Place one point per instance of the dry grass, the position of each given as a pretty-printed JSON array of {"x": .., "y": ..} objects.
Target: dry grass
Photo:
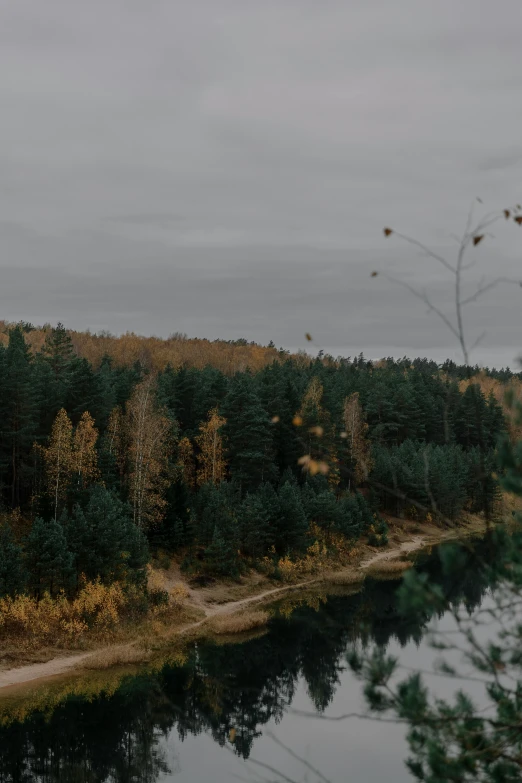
[
  {"x": 344, "y": 577},
  {"x": 389, "y": 569},
  {"x": 117, "y": 656},
  {"x": 239, "y": 623}
]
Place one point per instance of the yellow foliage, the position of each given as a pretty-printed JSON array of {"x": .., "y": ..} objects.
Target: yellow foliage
[
  {"x": 148, "y": 432},
  {"x": 60, "y": 621},
  {"x": 211, "y": 458},
  {"x": 84, "y": 455},
  {"x": 326, "y": 548}
]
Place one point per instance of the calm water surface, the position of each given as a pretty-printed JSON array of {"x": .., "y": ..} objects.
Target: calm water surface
[{"x": 209, "y": 718}]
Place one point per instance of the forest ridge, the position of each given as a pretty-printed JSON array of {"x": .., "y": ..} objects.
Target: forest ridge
[{"x": 226, "y": 455}]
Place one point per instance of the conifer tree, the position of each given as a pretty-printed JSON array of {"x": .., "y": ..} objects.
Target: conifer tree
[
  {"x": 13, "y": 576},
  {"x": 248, "y": 436},
  {"x": 254, "y": 524},
  {"x": 18, "y": 415},
  {"x": 47, "y": 556},
  {"x": 54, "y": 363},
  {"x": 103, "y": 541},
  {"x": 211, "y": 460},
  {"x": 291, "y": 524}
]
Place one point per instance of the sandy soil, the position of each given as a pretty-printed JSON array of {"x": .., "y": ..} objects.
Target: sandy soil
[{"x": 203, "y": 600}]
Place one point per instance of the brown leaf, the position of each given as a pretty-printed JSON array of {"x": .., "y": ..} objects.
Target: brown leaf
[
  {"x": 374, "y": 274},
  {"x": 507, "y": 213},
  {"x": 297, "y": 421},
  {"x": 308, "y": 337},
  {"x": 518, "y": 220},
  {"x": 387, "y": 231},
  {"x": 478, "y": 239}
]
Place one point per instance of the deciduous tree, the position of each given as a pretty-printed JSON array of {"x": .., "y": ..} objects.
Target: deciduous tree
[
  {"x": 148, "y": 430},
  {"x": 356, "y": 430},
  {"x": 84, "y": 455},
  {"x": 211, "y": 459}
]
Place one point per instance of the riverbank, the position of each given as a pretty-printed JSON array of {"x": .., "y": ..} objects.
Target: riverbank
[{"x": 233, "y": 607}]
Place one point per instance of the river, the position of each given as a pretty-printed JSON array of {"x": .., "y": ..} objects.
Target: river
[{"x": 215, "y": 712}]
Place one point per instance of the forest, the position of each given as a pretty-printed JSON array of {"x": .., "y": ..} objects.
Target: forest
[{"x": 107, "y": 458}]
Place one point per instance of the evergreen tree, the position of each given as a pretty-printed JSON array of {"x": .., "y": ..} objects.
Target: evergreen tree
[
  {"x": 13, "y": 576},
  {"x": 55, "y": 364},
  {"x": 254, "y": 524},
  {"x": 47, "y": 557},
  {"x": 18, "y": 416},
  {"x": 248, "y": 436},
  {"x": 291, "y": 524},
  {"x": 104, "y": 541}
]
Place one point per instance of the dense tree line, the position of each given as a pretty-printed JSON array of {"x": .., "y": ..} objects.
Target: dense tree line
[{"x": 100, "y": 462}]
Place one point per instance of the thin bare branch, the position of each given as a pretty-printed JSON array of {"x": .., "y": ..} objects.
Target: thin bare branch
[
  {"x": 425, "y": 249},
  {"x": 482, "y": 289},
  {"x": 424, "y": 298},
  {"x": 297, "y": 757}
]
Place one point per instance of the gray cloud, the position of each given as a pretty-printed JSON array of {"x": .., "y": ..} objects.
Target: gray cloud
[{"x": 226, "y": 168}]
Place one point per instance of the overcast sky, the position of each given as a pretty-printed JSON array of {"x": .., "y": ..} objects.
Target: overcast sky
[{"x": 225, "y": 167}]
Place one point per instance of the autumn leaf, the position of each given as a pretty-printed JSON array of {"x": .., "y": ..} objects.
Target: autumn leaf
[
  {"x": 477, "y": 239},
  {"x": 232, "y": 735},
  {"x": 297, "y": 421},
  {"x": 387, "y": 231},
  {"x": 518, "y": 220},
  {"x": 308, "y": 337},
  {"x": 507, "y": 213}
]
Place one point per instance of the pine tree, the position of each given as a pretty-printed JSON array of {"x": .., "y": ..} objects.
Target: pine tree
[
  {"x": 221, "y": 555},
  {"x": 55, "y": 362},
  {"x": 18, "y": 416},
  {"x": 103, "y": 539},
  {"x": 254, "y": 525},
  {"x": 47, "y": 557},
  {"x": 83, "y": 390},
  {"x": 13, "y": 576},
  {"x": 248, "y": 436},
  {"x": 291, "y": 524},
  {"x": 211, "y": 461}
]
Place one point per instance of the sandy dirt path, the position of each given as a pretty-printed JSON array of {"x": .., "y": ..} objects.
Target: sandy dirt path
[{"x": 64, "y": 664}]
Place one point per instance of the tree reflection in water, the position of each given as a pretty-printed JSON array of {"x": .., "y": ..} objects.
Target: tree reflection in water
[{"x": 229, "y": 691}]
